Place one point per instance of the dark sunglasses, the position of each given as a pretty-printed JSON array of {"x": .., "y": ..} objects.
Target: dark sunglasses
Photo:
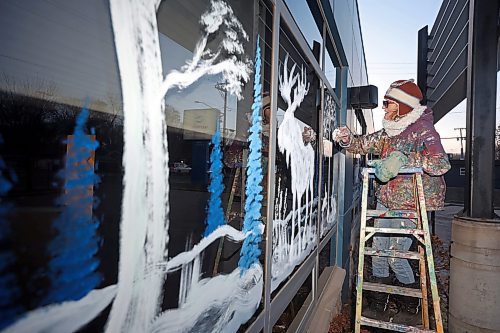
[{"x": 386, "y": 102}]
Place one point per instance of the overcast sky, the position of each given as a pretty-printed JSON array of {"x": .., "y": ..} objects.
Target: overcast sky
[{"x": 389, "y": 30}]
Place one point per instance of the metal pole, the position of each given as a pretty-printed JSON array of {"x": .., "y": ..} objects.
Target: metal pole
[
  {"x": 224, "y": 129},
  {"x": 462, "y": 138},
  {"x": 268, "y": 327},
  {"x": 221, "y": 87},
  {"x": 481, "y": 102},
  {"x": 423, "y": 39}
]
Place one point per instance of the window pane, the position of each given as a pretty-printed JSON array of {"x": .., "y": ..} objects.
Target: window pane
[
  {"x": 294, "y": 226},
  {"x": 329, "y": 185},
  {"x": 61, "y": 147},
  {"x": 305, "y": 21},
  {"x": 210, "y": 149}
]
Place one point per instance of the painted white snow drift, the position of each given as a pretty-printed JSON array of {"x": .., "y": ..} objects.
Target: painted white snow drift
[
  {"x": 218, "y": 304},
  {"x": 282, "y": 262},
  {"x": 67, "y": 316}
]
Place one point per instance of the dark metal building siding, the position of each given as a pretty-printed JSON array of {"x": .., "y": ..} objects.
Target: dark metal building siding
[{"x": 444, "y": 74}]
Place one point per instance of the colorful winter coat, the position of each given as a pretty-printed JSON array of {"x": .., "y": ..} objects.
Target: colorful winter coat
[{"x": 415, "y": 136}]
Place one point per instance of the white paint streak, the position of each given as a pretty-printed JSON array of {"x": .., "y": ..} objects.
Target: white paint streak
[
  {"x": 329, "y": 211},
  {"x": 65, "y": 317},
  {"x": 185, "y": 257},
  {"x": 144, "y": 225},
  {"x": 218, "y": 304}
]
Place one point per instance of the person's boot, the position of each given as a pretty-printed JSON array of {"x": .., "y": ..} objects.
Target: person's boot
[
  {"x": 409, "y": 304},
  {"x": 378, "y": 301}
]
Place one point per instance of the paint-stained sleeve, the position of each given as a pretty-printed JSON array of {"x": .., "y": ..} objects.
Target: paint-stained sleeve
[
  {"x": 366, "y": 144},
  {"x": 433, "y": 159}
]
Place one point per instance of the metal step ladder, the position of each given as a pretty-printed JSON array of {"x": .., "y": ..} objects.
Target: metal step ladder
[{"x": 424, "y": 255}]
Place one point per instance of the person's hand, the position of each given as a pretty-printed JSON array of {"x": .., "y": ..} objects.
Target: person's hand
[
  {"x": 308, "y": 135},
  {"x": 388, "y": 168},
  {"x": 342, "y": 135}
]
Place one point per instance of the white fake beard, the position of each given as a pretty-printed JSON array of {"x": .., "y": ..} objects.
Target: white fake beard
[{"x": 395, "y": 127}]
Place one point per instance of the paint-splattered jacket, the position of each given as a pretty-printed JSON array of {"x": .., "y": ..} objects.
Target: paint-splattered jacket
[{"x": 422, "y": 144}]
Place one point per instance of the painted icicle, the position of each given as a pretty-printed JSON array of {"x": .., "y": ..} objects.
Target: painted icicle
[
  {"x": 73, "y": 264},
  {"x": 290, "y": 251},
  {"x": 215, "y": 213},
  {"x": 252, "y": 224},
  {"x": 145, "y": 223}
]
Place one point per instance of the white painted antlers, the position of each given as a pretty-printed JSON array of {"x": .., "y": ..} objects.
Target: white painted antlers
[{"x": 286, "y": 83}]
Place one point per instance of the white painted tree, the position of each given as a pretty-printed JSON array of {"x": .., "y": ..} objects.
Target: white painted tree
[
  {"x": 144, "y": 223},
  {"x": 299, "y": 156}
]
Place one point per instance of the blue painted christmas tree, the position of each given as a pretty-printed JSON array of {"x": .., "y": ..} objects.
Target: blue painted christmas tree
[
  {"x": 9, "y": 292},
  {"x": 215, "y": 216},
  {"x": 73, "y": 250},
  {"x": 250, "y": 250}
]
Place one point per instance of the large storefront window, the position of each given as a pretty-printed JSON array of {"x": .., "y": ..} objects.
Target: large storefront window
[{"x": 133, "y": 165}]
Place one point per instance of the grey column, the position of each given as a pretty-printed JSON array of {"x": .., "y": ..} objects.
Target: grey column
[
  {"x": 268, "y": 326},
  {"x": 340, "y": 159},
  {"x": 481, "y": 98},
  {"x": 474, "y": 291},
  {"x": 423, "y": 40}
]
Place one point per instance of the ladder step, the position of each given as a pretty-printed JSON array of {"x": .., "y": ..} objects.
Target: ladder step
[
  {"x": 392, "y": 326},
  {"x": 392, "y": 253},
  {"x": 382, "y": 213},
  {"x": 385, "y": 288},
  {"x": 395, "y": 231}
]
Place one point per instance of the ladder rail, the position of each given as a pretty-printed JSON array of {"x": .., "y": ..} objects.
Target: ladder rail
[
  {"x": 422, "y": 269},
  {"x": 361, "y": 254},
  {"x": 430, "y": 257}
]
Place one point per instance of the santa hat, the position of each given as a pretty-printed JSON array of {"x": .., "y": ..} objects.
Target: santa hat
[{"x": 406, "y": 93}]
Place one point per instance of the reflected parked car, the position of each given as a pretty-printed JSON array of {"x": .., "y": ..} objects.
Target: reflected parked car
[{"x": 180, "y": 167}]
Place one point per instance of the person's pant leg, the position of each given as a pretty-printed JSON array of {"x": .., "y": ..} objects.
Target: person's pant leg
[
  {"x": 401, "y": 267},
  {"x": 380, "y": 265}
]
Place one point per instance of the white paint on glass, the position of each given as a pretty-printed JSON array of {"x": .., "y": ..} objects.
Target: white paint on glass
[
  {"x": 329, "y": 201},
  {"x": 294, "y": 235},
  {"x": 218, "y": 304},
  {"x": 145, "y": 223},
  {"x": 65, "y": 317},
  {"x": 183, "y": 258},
  {"x": 283, "y": 262}
]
